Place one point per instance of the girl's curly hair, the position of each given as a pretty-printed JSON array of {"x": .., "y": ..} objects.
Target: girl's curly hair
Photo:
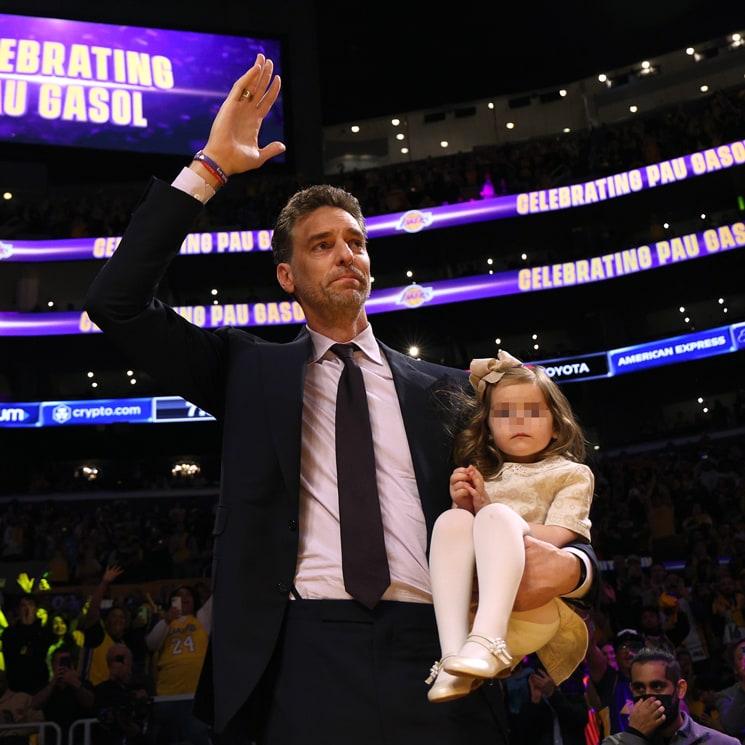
[{"x": 473, "y": 444}]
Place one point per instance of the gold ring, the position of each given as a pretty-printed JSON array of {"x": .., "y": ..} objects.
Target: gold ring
[{"x": 245, "y": 93}]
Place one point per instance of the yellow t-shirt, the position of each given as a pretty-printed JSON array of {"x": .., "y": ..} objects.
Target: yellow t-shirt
[
  {"x": 179, "y": 660},
  {"x": 93, "y": 664}
]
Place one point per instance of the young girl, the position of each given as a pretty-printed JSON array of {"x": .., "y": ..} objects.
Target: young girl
[{"x": 519, "y": 460}]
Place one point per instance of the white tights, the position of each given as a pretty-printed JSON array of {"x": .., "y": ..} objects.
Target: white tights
[{"x": 491, "y": 544}]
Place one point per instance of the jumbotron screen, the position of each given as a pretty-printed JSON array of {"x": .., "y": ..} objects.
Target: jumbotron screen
[{"x": 120, "y": 87}]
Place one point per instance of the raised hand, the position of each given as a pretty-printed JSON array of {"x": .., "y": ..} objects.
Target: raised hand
[
  {"x": 234, "y": 137},
  {"x": 112, "y": 573}
]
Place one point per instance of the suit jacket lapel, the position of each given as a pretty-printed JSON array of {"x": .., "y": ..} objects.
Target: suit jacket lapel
[
  {"x": 283, "y": 372},
  {"x": 428, "y": 443}
]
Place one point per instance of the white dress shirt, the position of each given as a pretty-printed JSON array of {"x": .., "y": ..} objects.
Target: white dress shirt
[{"x": 319, "y": 573}]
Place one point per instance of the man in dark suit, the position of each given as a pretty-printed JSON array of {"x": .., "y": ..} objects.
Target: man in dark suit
[{"x": 293, "y": 658}]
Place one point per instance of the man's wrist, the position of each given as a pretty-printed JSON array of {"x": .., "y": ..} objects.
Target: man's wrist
[
  {"x": 585, "y": 574},
  {"x": 193, "y": 183}
]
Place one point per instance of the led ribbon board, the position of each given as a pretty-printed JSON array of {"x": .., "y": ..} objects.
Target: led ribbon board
[
  {"x": 160, "y": 409},
  {"x": 521, "y": 281},
  {"x": 415, "y": 221}
]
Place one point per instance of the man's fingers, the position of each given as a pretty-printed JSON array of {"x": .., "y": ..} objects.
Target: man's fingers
[{"x": 248, "y": 80}]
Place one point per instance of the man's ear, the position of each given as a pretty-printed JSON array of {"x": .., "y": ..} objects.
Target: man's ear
[
  {"x": 285, "y": 278},
  {"x": 682, "y": 688}
]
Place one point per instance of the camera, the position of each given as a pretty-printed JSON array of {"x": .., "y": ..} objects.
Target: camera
[{"x": 122, "y": 717}]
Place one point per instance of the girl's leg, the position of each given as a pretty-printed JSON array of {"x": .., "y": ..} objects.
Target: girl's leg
[
  {"x": 451, "y": 564},
  {"x": 499, "y": 552}
]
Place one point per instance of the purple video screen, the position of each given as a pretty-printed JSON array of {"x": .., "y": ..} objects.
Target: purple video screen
[{"x": 118, "y": 87}]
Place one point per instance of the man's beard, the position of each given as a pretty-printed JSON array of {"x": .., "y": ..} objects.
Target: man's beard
[
  {"x": 350, "y": 301},
  {"x": 347, "y": 300}
]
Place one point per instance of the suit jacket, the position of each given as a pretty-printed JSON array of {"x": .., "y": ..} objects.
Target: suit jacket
[{"x": 255, "y": 389}]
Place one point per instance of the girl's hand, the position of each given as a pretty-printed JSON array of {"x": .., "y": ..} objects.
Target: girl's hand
[
  {"x": 460, "y": 489},
  {"x": 467, "y": 489},
  {"x": 479, "y": 496}
]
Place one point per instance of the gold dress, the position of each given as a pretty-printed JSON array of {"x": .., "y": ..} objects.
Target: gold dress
[{"x": 554, "y": 491}]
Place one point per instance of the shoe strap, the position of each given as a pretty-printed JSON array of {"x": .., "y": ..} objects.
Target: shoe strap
[
  {"x": 497, "y": 647},
  {"x": 435, "y": 669}
]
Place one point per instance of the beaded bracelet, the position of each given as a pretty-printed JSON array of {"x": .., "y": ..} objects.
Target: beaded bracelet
[{"x": 212, "y": 167}]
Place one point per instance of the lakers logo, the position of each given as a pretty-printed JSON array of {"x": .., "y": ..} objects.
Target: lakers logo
[
  {"x": 415, "y": 295},
  {"x": 413, "y": 221}
]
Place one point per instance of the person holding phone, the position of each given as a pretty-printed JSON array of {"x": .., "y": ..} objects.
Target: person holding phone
[
  {"x": 178, "y": 642},
  {"x": 64, "y": 632},
  {"x": 66, "y": 697}
]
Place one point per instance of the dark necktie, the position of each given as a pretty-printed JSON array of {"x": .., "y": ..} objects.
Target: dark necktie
[{"x": 364, "y": 561}]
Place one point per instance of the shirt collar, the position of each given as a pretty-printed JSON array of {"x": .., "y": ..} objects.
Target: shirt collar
[
  {"x": 685, "y": 729},
  {"x": 365, "y": 340}
]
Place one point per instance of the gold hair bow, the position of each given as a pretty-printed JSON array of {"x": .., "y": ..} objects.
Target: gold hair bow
[{"x": 491, "y": 370}]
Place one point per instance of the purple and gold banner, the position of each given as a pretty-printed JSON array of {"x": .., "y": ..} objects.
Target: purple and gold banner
[
  {"x": 519, "y": 281},
  {"x": 415, "y": 221}
]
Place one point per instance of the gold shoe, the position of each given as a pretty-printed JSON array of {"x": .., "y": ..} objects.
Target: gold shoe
[
  {"x": 447, "y": 687},
  {"x": 498, "y": 660}
]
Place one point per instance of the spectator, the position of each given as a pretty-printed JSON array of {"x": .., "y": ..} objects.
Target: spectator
[
  {"x": 63, "y": 633},
  {"x": 16, "y": 708},
  {"x": 613, "y": 686},
  {"x": 15, "y": 534},
  {"x": 182, "y": 545},
  {"x": 701, "y": 699},
  {"x": 551, "y": 709},
  {"x": 656, "y": 716},
  {"x": 665, "y": 541},
  {"x": 685, "y": 660},
  {"x": 630, "y": 591},
  {"x": 66, "y": 697},
  {"x": 656, "y": 583},
  {"x": 101, "y": 634},
  {"x": 675, "y": 601},
  {"x": 609, "y": 651},
  {"x": 728, "y": 608},
  {"x": 730, "y": 702},
  {"x": 179, "y": 644},
  {"x": 650, "y": 625},
  {"x": 25, "y": 644},
  {"x": 697, "y": 519},
  {"x": 140, "y": 608},
  {"x": 88, "y": 568},
  {"x": 122, "y": 703}
]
